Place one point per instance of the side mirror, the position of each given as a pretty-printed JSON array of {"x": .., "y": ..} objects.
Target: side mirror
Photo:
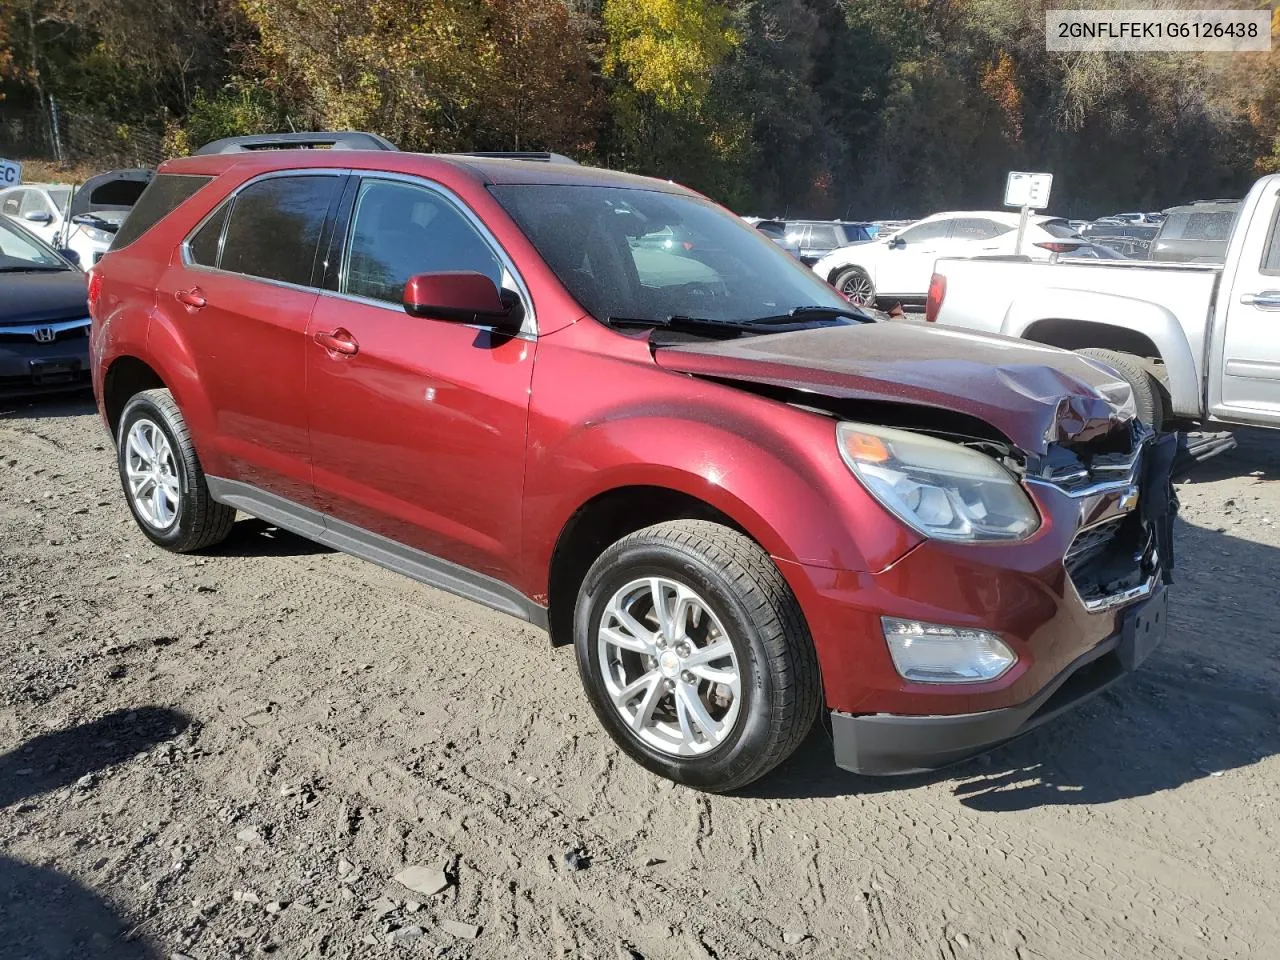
[
  {"x": 896, "y": 243},
  {"x": 71, "y": 255},
  {"x": 38, "y": 216},
  {"x": 462, "y": 297}
]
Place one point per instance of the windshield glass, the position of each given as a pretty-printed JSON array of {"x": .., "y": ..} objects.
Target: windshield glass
[
  {"x": 19, "y": 250},
  {"x": 60, "y": 196},
  {"x": 649, "y": 256}
]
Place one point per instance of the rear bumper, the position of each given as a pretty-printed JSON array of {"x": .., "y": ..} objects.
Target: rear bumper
[
  {"x": 38, "y": 368},
  {"x": 885, "y": 744}
]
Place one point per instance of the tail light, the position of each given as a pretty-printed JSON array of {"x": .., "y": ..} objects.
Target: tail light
[
  {"x": 1060, "y": 246},
  {"x": 933, "y": 303},
  {"x": 95, "y": 289}
]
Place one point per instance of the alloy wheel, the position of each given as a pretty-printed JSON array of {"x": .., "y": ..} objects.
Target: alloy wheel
[
  {"x": 152, "y": 473},
  {"x": 669, "y": 667}
]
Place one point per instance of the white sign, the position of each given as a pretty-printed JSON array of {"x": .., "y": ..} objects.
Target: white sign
[
  {"x": 10, "y": 173},
  {"x": 1028, "y": 190}
]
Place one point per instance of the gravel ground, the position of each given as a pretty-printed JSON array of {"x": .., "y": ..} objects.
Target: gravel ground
[{"x": 237, "y": 754}]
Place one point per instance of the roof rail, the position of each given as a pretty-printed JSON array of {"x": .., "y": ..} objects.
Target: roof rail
[
  {"x": 536, "y": 156},
  {"x": 343, "y": 140}
]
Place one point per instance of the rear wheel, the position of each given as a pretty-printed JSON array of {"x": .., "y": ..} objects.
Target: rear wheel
[
  {"x": 162, "y": 478},
  {"x": 695, "y": 655},
  {"x": 1148, "y": 391},
  {"x": 855, "y": 283}
]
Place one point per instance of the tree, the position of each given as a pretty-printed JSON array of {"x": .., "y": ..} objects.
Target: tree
[{"x": 540, "y": 89}]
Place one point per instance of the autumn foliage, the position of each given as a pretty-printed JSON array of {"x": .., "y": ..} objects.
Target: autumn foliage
[{"x": 802, "y": 107}]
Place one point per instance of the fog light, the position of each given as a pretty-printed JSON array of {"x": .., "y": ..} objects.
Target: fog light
[{"x": 932, "y": 653}]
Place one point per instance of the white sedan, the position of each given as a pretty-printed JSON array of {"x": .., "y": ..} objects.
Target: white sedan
[
  {"x": 897, "y": 268},
  {"x": 42, "y": 209}
]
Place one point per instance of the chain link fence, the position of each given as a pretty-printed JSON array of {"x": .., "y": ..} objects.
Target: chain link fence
[{"x": 74, "y": 136}]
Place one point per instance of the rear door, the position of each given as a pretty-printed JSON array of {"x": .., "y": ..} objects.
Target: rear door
[
  {"x": 1248, "y": 360},
  {"x": 418, "y": 430},
  {"x": 241, "y": 292}
]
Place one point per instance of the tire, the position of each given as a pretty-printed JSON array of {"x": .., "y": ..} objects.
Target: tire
[
  {"x": 187, "y": 517},
  {"x": 852, "y": 279},
  {"x": 746, "y": 602},
  {"x": 1148, "y": 392}
]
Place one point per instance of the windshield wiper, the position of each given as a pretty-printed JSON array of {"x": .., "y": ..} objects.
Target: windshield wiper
[
  {"x": 816, "y": 311},
  {"x": 728, "y": 329}
]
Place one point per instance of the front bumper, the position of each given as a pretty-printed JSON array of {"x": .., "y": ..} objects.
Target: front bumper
[
  {"x": 37, "y": 368},
  {"x": 885, "y": 744}
]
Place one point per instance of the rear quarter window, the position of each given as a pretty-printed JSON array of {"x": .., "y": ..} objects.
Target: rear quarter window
[{"x": 163, "y": 195}]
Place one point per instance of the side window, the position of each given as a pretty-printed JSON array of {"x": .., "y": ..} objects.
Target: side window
[
  {"x": 34, "y": 202},
  {"x": 936, "y": 230},
  {"x": 12, "y": 203},
  {"x": 1271, "y": 255},
  {"x": 823, "y": 236},
  {"x": 275, "y": 225},
  {"x": 974, "y": 228},
  {"x": 400, "y": 229},
  {"x": 206, "y": 245},
  {"x": 161, "y": 197}
]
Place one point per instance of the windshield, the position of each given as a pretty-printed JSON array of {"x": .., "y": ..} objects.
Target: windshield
[
  {"x": 60, "y": 196},
  {"x": 19, "y": 250},
  {"x": 648, "y": 256}
]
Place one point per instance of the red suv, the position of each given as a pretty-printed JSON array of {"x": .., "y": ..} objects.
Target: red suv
[{"x": 739, "y": 499}]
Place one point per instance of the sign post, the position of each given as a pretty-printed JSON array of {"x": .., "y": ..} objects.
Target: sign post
[
  {"x": 10, "y": 173},
  {"x": 1030, "y": 191}
]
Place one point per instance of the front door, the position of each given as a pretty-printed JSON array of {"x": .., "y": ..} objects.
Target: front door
[
  {"x": 1246, "y": 352},
  {"x": 241, "y": 293},
  {"x": 418, "y": 429},
  {"x": 907, "y": 266}
]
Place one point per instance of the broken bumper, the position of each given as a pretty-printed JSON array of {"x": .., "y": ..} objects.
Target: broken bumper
[{"x": 885, "y": 744}]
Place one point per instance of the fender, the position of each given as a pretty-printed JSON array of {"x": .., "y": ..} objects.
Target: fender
[
  {"x": 1156, "y": 323},
  {"x": 727, "y": 448}
]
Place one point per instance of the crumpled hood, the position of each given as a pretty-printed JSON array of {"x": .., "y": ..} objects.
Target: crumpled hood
[{"x": 1033, "y": 395}]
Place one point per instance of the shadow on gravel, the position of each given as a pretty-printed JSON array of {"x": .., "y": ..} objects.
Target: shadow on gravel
[
  {"x": 55, "y": 760},
  {"x": 30, "y": 408},
  {"x": 45, "y": 915},
  {"x": 255, "y": 538}
]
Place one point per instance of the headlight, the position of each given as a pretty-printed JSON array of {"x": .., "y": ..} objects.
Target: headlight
[
  {"x": 96, "y": 235},
  {"x": 941, "y": 489},
  {"x": 934, "y": 653}
]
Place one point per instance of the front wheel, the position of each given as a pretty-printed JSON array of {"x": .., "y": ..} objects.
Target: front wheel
[
  {"x": 856, "y": 286},
  {"x": 695, "y": 655}
]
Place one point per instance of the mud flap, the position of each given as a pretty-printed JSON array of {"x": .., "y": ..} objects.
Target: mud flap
[
  {"x": 1159, "y": 502},
  {"x": 1144, "y": 628}
]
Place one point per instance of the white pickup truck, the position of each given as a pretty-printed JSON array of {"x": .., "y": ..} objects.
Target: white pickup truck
[{"x": 1198, "y": 343}]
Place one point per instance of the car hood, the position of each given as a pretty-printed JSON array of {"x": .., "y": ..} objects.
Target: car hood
[
  {"x": 34, "y": 297},
  {"x": 1033, "y": 395},
  {"x": 115, "y": 190}
]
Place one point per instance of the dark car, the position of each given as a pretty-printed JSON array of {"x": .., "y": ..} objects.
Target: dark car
[
  {"x": 1132, "y": 240},
  {"x": 1196, "y": 233},
  {"x": 693, "y": 460},
  {"x": 44, "y": 317},
  {"x": 814, "y": 239}
]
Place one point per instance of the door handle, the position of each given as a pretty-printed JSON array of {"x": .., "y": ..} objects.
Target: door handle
[
  {"x": 193, "y": 299},
  {"x": 1266, "y": 300},
  {"x": 339, "y": 343}
]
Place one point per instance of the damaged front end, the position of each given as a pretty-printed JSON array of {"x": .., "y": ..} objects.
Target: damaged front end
[{"x": 1122, "y": 484}]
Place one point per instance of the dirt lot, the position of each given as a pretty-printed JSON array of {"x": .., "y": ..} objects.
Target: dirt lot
[{"x": 234, "y": 754}]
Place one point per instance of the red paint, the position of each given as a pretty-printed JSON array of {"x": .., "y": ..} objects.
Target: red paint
[{"x": 480, "y": 447}]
